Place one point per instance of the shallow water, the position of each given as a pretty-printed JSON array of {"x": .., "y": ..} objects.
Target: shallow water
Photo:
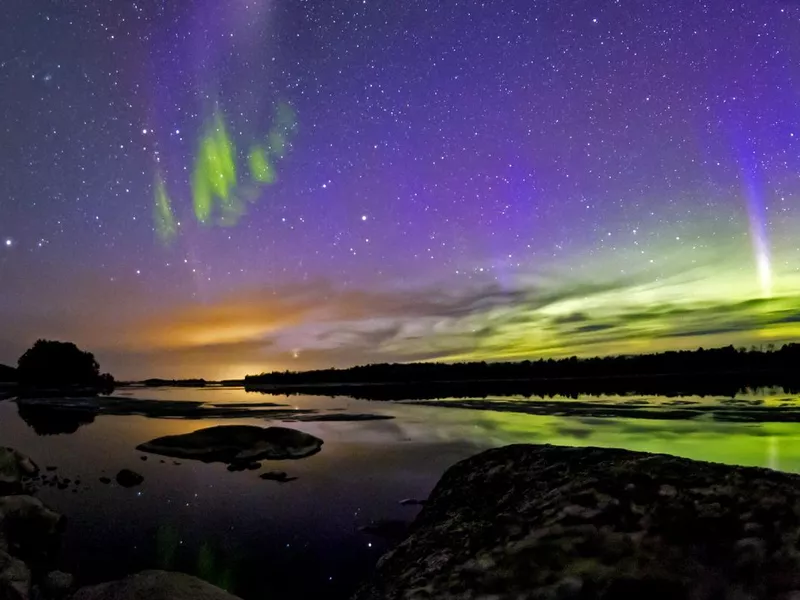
[{"x": 263, "y": 539}]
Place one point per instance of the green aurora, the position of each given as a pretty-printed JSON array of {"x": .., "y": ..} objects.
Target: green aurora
[{"x": 218, "y": 196}]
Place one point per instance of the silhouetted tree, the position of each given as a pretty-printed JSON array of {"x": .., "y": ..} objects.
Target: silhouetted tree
[{"x": 57, "y": 364}]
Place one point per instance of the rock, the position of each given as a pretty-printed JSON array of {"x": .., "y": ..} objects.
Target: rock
[
  {"x": 14, "y": 467},
  {"x": 28, "y": 529},
  {"x": 127, "y": 478},
  {"x": 15, "y": 578},
  {"x": 278, "y": 476},
  {"x": 154, "y": 585},
  {"x": 236, "y": 444},
  {"x": 105, "y": 479},
  {"x": 555, "y": 522},
  {"x": 57, "y": 584},
  {"x": 51, "y": 467}
]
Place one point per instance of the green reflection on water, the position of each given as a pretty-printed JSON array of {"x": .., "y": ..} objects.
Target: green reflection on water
[{"x": 770, "y": 445}]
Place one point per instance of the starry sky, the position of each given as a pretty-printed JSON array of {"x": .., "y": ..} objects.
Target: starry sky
[{"x": 220, "y": 187}]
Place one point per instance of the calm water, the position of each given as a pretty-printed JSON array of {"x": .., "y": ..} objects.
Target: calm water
[{"x": 261, "y": 539}]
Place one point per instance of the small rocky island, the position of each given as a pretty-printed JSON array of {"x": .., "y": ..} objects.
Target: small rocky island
[
  {"x": 236, "y": 444},
  {"x": 548, "y": 522}
]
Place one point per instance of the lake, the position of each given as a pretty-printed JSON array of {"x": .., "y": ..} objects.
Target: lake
[{"x": 302, "y": 539}]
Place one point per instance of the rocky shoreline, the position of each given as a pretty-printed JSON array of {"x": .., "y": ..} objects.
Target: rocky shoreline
[
  {"x": 30, "y": 535},
  {"x": 519, "y": 522}
]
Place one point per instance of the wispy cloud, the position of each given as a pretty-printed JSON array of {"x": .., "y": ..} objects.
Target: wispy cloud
[
  {"x": 320, "y": 324},
  {"x": 316, "y": 325}
]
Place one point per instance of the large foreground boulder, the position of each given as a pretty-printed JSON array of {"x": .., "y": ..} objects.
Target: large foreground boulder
[
  {"x": 154, "y": 585},
  {"x": 541, "y": 522},
  {"x": 236, "y": 443}
]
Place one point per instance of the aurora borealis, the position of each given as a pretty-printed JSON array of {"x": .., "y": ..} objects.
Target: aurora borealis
[{"x": 214, "y": 188}]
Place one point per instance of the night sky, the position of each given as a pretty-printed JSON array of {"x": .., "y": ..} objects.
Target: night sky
[{"x": 220, "y": 187}]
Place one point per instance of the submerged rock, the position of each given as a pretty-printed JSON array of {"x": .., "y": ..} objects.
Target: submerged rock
[
  {"x": 555, "y": 522},
  {"x": 127, "y": 478},
  {"x": 154, "y": 585},
  {"x": 236, "y": 444}
]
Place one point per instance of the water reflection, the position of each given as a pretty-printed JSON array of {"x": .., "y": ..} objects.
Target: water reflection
[
  {"x": 54, "y": 420},
  {"x": 311, "y": 538}
]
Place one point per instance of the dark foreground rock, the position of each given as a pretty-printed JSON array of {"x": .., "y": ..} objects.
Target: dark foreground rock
[
  {"x": 29, "y": 538},
  {"x": 547, "y": 522},
  {"x": 14, "y": 468},
  {"x": 15, "y": 578},
  {"x": 154, "y": 585},
  {"x": 29, "y": 530},
  {"x": 236, "y": 444}
]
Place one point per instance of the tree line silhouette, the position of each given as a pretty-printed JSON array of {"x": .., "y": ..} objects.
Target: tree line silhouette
[{"x": 724, "y": 371}]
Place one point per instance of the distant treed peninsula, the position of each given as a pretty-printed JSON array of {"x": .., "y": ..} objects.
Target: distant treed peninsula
[{"x": 724, "y": 371}]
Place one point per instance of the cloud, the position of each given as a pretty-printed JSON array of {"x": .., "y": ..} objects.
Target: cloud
[{"x": 137, "y": 332}]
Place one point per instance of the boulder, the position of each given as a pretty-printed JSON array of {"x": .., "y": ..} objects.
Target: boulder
[
  {"x": 154, "y": 585},
  {"x": 236, "y": 444},
  {"x": 127, "y": 478},
  {"x": 57, "y": 584},
  {"x": 29, "y": 529},
  {"x": 15, "y": 578},
  {"x": 590, "y": 523},
  {"x": 14, "y": 467}
]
